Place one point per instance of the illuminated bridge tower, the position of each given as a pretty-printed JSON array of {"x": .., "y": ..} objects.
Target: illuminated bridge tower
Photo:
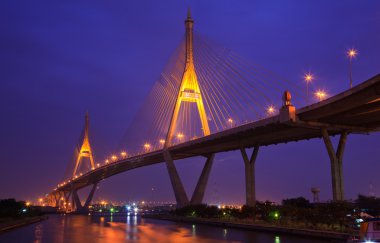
[
  {"x": 85, "y": 149},
  {"x": 189, "y": 91}
]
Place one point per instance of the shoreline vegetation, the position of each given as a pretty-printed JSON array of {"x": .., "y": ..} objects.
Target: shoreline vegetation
[
  {"x": 257, "y": 225},
  {"x": 329, "y": 220},
  {"x": 15, "y": 214}
]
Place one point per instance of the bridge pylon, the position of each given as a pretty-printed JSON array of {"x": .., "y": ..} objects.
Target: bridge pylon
[
  {"x": 189, "y": 90},
  {"x": 85, "y": 150}
]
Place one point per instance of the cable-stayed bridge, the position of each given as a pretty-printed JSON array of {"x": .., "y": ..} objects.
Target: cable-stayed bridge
[{"x": 208, "y": 100}]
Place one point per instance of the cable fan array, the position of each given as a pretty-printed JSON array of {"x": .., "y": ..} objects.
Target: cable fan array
[{"x": 233, "y": 91}]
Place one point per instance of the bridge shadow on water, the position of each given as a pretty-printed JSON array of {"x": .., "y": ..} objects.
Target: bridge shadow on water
[{"x": 107, "y": 229}]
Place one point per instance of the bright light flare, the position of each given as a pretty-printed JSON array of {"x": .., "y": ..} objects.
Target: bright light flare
[
  {"x": 308, "y": 77},
  {"x": 162, "y": 141},
  {"x": 123, "y": 154},
  {"x": 114, "y": 157},
  {"x": 230, "y": 120},
  {"x": 352, "y": 53},
  {"x": 147, "y": 146},
  {"x": 320, "y": 94},
  {"x": 180, "y": 135},
  {"x": 271, "y": 110}
]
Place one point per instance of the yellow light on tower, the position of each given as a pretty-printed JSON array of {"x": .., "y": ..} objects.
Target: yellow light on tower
[
  {"x": 320, "y": 94},
  {"x": 351, "y": 54},
  {"x": 162, "y": 141},
  {"x": 106, "y": 161},
  {"x": 114, "y": 157}
]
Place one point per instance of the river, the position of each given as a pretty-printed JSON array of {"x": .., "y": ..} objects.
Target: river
[{"x": 113, "y": 229}]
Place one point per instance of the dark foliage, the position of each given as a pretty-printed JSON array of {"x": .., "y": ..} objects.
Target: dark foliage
[
  {"x": 370, "y": 205},
  {"x": 10, "y": 208}
]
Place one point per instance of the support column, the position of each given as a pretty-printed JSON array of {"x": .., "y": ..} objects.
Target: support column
[
  {"x": 60, "y": 196},
  {"x": 67, "y": 198},
  {"x": 56, "y": 197},
  {"x": 76, "y": 201},
  {"x": 336, "y": 160},
  {"x": 250, "y": 185},
  {"x": 179, "y": 191},
  {"x": 90, "y": 196},
  {"x": 200, "y": 189}
]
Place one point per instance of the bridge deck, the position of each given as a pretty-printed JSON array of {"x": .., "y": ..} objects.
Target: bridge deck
[{"x": 356, "y": 110}]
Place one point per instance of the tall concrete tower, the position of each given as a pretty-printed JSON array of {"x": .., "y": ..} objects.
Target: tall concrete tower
[
  {"x": 189, "y": 90},
  {"x": 85, "y": 149}
]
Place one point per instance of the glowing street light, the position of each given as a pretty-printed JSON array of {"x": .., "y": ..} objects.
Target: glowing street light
[
  {"x": 230, "y": 121},
  {"x": 162, "y": 141},
  {"x": 320, "y": 94},
  {"x": 180, "y": 136},
  {"x": 114, "y": 157},
  {"x": 308, "y": 79},
  {"x": 123, "y": 154},
  {"x": 351, "y": 54},
  {"x": 106, "y": 161},
  {"x": 147, "y": 146},
  {"x": 271, "y": 110}
]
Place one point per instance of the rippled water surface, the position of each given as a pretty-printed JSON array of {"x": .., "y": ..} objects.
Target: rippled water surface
[{"x": 111, "y": 229}]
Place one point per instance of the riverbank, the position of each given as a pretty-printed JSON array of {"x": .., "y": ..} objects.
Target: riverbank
[
  {"x": 257, "y": 226},
  {"x": 16, "y": 223}
]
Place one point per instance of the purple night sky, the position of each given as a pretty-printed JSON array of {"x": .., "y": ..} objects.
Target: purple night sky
[{"x": 60, "y": 59}]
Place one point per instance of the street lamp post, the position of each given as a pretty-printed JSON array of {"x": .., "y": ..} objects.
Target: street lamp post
[
  {"x": 351, "y": 53},
  {"x": 308, "y": 78}
]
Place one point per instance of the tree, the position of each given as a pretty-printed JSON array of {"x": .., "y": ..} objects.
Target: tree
[
  {"x": 299, "y": 202},
  {"x": 371, "y": 205}
]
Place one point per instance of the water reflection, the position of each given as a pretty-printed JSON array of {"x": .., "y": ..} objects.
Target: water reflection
[
  {"x": 115, "y": 228},
  {"x": 194, "y": 230},
  {"x": 38, "y": 233},
  {"x": 224, "y": 233},
  {"x": 277, "y": 239}
]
